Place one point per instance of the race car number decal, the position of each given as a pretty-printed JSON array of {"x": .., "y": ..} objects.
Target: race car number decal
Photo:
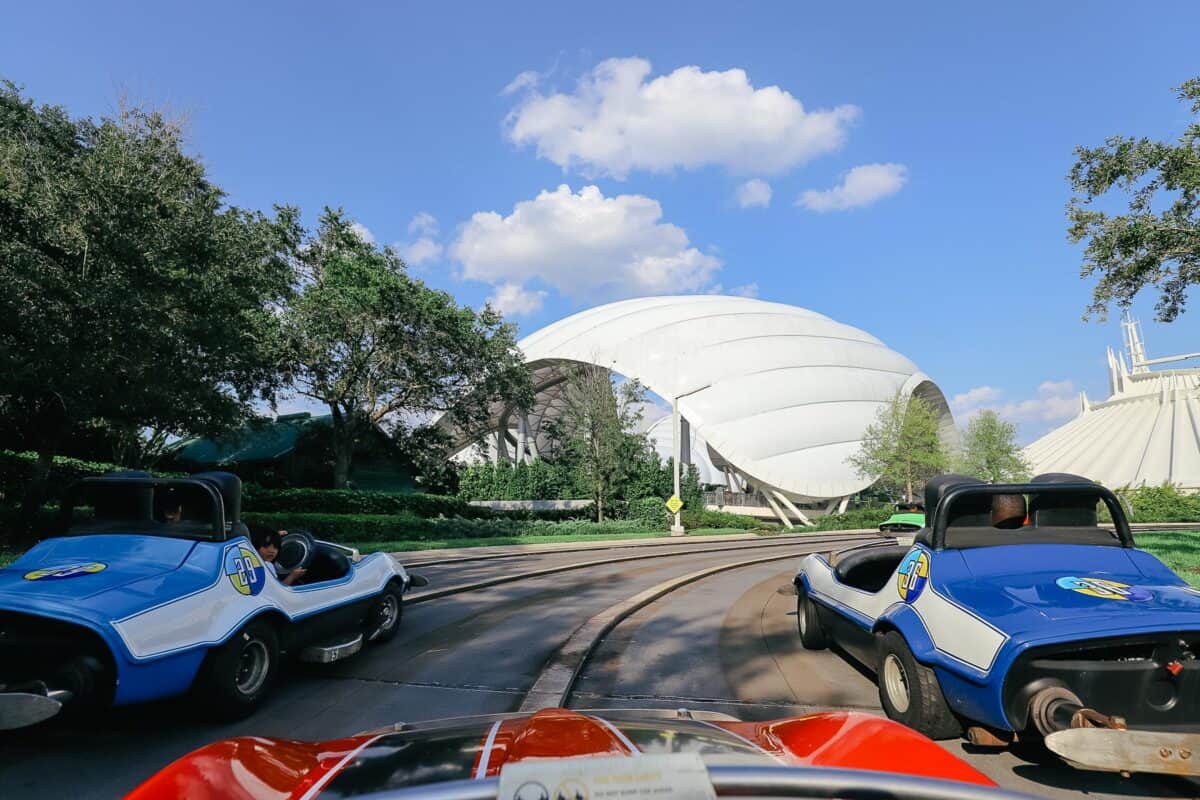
[
  {"x": 245, "y": 570},
  {"x": 913, "y": 575},
  {"x": 1105, "y": 589},
  {"x": 60, "y": 573}
]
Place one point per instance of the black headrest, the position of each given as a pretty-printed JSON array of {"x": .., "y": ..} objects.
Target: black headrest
[
  {"x": 937, "y": 486},
  {"x": 230, "y": 488},
  {"x": 1062, "y": 509}
]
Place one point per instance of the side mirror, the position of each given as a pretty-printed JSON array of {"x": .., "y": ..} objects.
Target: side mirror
[{"x": 417, "y": 580}]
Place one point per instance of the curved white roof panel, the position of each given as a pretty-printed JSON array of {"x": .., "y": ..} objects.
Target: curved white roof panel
[
  {"x": 781, "y": 393},
  {"x": 1146, "y": 433}
]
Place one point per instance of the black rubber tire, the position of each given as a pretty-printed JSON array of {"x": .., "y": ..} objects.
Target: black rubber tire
[
  {"x": 217, "y": 686},
  {"x": 917, "y": 688},
  {"x": 372, "y": 631},
  {"x": 808, "y": 622}
]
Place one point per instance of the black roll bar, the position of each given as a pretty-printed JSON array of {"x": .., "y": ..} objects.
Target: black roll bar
[{"x": 941, "y": 515}]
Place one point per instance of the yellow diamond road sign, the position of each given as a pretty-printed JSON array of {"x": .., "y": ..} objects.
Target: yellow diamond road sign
[{"x": 674, "y": 504}]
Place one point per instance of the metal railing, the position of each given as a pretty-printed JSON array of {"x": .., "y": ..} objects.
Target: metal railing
[{"x": 721, "y": 497}]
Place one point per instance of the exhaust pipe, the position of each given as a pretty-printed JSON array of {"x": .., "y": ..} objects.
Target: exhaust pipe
[{"x": 1057, "y": 708}]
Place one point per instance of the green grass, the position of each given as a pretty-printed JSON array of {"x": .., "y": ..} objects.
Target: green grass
[
  {"x": 399, "y": 545},
  {"x": 1179, "y": 550}
]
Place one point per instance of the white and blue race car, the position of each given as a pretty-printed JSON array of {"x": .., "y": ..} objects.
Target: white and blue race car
[
  {"x": 155, "y": 590},
  {"x": 1015, "y": 614}
]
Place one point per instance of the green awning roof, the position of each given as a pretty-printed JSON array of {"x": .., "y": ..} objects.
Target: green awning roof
[{"x": 269, "y": 440}]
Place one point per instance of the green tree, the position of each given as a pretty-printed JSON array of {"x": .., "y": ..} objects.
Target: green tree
[
  {"x": 133, "y": 296},
  {"x": 594, "y": 432},
  {"x": 901, "y": 449},
  {"x": 1146, "y": 246},
  {"x": 380, "y": 348},
  {"x": 990, "y": 450}
]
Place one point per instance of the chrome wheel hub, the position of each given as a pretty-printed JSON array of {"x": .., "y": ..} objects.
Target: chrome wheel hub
[
  {"x": 895, "y": 682},
  {"x": 253, "y": 666}
]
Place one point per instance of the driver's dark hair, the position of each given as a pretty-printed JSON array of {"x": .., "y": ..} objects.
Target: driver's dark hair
[{"x": 260, "y": 536}]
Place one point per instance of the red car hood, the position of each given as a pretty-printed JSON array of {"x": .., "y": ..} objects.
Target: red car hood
[{"x": 253, "y": 767}]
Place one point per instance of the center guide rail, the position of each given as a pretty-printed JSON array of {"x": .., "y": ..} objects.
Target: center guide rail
[{"x": 722, "y": 781}]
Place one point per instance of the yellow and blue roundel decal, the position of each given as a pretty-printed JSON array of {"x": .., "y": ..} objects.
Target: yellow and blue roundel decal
[
  {"x": 61, "y": 573},
  {"x": 913, "y": 575},
  {"x": 245, "y": 570},
  {"x": 1102, "y": 588}
]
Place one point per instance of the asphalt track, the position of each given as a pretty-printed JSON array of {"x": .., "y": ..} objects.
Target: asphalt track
[{"x": 726, "y": 642}]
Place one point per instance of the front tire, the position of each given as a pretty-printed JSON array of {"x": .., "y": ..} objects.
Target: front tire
[
  {"x": 237, "y": 675},
  {"x": 383, "y": 620},
  {"x": 910, "y": 693},
  {"x": 808, "y": 622}
]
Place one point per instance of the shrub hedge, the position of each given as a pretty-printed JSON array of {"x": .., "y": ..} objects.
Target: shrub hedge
[
  {"x": 355, "y": 501},
  {"x": 697, "y": 518},
  {"x": 649, "y": 511},
  {"x": 538, "y": 480},
  {"x": 853, "y": 519},
  {"x": 1163, "y": 503},
  {"x": 381, "y": 527}
]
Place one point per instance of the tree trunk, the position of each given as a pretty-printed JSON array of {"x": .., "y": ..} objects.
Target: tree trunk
[
  {"x": 342, "y": 454},
  {"x": 35, "y": 496},
  {"x": 600, "y": 507},
  {"x": 343, "y": 448}
]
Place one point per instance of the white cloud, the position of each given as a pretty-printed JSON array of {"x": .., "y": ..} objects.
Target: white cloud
[
  {"x": 1053, "y": 401},
  {"x": 617, "y": 121},
  {"x": 514, "y": 300},
  {"x": 860, "y": 187},
  {"x": 755, "y": 192},
  {"x": 420, "y": 251},
  {"x": 425, "y": 247},
  {"x": 424, "y": 224},
  {"x": 584, "y": 245},
  {"x": 526, "y": 80},
  {"x": 745, "y": 290},
  {"x": 362, "y": 232},
  {"x": 973, "y": 398}
]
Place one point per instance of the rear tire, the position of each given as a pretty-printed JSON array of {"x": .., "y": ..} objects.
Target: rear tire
[
  {"x": 383, "y": 620},
  {"x": 910, "y": 693},
  {"x": 237, "y": 675},
  {"x": 808, "y": 622}
]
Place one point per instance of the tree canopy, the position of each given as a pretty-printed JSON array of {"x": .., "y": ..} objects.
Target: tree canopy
[
  {"x": 381, "y": 348},
  {"x": 990, "y": 450},
  {"x": 134, "y": 296},
  {"x": 1157, "y": 242},
  {"x": 901, "y": 449},
  {"x": 595, "y": 433}
]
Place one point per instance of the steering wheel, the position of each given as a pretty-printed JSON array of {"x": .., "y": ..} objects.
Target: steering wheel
[{"x": 296, "y": 550}]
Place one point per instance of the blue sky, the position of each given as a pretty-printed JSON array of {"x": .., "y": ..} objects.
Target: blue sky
[{"x": 948, "y": 242}]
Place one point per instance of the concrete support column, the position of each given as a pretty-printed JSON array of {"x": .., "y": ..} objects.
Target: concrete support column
[
  {"x": 519, "y": 457},
  {"x": 787, "y": 523},
  {"x": 792, "y": 507},
  {"x": 676, "y": 426}
]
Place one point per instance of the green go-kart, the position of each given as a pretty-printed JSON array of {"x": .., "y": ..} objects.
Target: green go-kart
[{"x": 907, "y": 518}]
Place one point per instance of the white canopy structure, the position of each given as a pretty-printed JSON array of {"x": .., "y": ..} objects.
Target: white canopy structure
[
  {"x": 780, "y": 395},
  {"x": 1146, "y": 433}
]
